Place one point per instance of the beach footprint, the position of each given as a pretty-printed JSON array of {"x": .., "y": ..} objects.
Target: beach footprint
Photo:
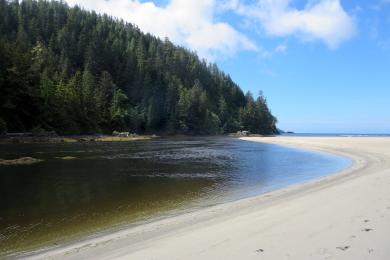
[{"x": 343, "y": 248}]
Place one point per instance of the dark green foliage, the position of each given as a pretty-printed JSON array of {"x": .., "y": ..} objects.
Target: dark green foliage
[
  {"x": 73, "y": 71},
  {"x": 255, "y": 112}
]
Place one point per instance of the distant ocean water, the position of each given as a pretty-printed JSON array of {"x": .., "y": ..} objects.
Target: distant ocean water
[{"x": 335, "y": 135}]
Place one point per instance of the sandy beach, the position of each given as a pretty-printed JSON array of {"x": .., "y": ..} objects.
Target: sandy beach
[{"x": 341, "y": 216}]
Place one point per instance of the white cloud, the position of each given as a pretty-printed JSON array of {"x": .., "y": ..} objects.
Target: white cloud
[
  {"x": 324, "y": 20},
  {"x": 195, "y": 23},
  {"x": 281, "y": 48},
  {"x": 267, "y": 53},
  {"x": 185, "y": 22}
]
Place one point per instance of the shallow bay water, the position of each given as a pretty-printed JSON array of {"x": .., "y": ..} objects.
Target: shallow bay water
[{"x": 83, "y": 188}]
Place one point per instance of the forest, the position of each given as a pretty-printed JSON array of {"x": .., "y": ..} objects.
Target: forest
[{"x": 73, "y": 71}]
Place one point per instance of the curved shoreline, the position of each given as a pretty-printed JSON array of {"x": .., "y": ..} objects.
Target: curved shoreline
[{"x": 213, "y": 232}]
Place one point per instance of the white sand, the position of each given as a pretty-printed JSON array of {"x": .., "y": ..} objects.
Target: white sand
[{"x": 343, "y": 216}]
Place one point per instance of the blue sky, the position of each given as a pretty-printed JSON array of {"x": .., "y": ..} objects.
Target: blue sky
[{"x": 324, "y": 65}]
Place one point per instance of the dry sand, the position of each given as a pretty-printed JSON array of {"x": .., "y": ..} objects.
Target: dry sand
[{"x": 342, "y": 216}]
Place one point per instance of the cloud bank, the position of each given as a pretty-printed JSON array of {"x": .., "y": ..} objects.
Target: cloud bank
[
  {"x": 195, "y": 23},
  {"x": 323, "y": 20},
  {"x": 186, "y": 22}
]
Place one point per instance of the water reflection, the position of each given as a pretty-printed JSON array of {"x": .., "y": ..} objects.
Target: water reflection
[{"x": 112, "y": 184}]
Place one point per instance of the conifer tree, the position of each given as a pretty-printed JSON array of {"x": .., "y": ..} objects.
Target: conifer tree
[{"x": 73, "y": 71}]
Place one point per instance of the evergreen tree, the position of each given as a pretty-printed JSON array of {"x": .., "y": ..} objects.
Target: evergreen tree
[{"x": 74, "y": 71}]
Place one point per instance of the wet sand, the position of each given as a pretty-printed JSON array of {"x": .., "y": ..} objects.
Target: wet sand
[{"x": 342, "y": 216}]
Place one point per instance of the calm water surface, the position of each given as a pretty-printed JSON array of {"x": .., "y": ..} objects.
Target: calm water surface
[{"x": 111, "y": 185}]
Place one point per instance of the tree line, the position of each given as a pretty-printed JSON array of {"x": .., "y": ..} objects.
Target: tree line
[{"x": 74, "y": 71}]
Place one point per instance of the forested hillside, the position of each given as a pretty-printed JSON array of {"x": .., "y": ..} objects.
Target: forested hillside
[{"x": 73, "y": 71}]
